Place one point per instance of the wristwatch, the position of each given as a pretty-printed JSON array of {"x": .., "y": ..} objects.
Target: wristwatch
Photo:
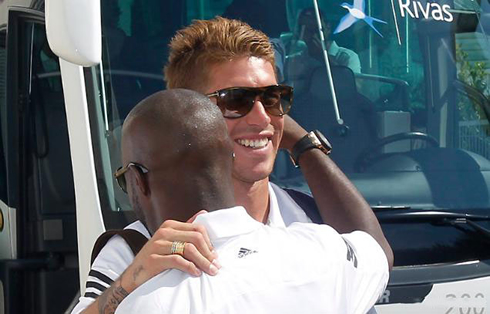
[{"x": 314, "y": 139}]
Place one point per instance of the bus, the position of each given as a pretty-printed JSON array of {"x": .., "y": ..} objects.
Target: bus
[{"x": 399, "y": 87}]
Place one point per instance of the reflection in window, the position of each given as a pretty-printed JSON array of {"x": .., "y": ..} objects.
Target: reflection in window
[
  {"x": 48, "y": 140},
  {"x": 473, "y": 67}
]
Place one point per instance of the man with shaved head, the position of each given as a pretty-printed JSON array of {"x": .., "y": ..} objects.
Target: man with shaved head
[
  {"x": 179, "y": 160},
  {"x": 180, "y": 157}
]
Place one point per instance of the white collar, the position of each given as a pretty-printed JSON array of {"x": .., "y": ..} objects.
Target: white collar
[
  {"x": 275, "y": 217},
  {"x": 233, "y": 221},
  {"x": 334, "y": 48},
  {"x": 229, "y": 222}
]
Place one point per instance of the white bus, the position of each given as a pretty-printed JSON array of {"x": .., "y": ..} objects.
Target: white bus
[{"x": 403, "y": 97}]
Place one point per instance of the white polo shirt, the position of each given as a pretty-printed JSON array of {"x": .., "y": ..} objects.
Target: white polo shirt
[
  {"x": 304, "y": 268},
  {"x": 116, "y": 255}
]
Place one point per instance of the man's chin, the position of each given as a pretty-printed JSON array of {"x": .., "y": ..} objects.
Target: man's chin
[
  {"x": 251, "y": 176},
  {"x": 254, "y": 166}
]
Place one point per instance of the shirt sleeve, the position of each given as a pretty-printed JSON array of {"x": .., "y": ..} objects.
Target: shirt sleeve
[
  {"x": 355, "y": 63},
  {"x": 111, "y": 262},
  {"x": 359, "y": 263},
  {"x": 366, "y": 270}
]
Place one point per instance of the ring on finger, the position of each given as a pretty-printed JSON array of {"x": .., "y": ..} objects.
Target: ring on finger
[{"x": 178, "y": 247}]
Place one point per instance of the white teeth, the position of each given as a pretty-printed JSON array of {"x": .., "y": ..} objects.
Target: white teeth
[{"x": 254, "y": 143}]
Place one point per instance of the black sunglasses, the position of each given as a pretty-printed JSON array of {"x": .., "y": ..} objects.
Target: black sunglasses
[
  {"x": 119, "y": 174},
  {"x": 236, "y": 102}
]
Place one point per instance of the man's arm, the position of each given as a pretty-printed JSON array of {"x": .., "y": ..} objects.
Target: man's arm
[
  {"x": 339, "y": 202},
  {"x": 155, "y": 257},
  {"x": 108, "y": 301},
  {"x": 144, "y": 267}
]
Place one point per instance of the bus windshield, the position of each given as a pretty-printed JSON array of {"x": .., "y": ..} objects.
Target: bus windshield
[{"x": 400, "y": 89}]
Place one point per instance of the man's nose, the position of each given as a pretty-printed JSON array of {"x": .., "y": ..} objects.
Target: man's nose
[{"x": 258, "y": 115}]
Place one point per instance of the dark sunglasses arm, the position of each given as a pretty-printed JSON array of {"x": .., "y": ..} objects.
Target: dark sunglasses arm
[
  {"x": 120, "y": 172},
  {"x": 215, "y": 94}
]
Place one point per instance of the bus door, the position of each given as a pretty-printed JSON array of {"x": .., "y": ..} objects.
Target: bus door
[{"x": 38, "y": 257}]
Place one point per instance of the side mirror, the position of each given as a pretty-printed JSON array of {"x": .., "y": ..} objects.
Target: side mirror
[{"x": 73, "y": 29}]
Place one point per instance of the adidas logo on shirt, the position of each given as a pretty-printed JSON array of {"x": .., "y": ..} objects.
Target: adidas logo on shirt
[{"x": 244, "y": 252}]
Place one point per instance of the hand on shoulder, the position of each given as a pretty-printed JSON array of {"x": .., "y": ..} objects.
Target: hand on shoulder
[{"x": 156, "y": 256}]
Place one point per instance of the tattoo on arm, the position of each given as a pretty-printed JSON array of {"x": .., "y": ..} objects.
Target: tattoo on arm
[
  {"x": 136, "y": 272},
  {"x": 111, "y": 298}
]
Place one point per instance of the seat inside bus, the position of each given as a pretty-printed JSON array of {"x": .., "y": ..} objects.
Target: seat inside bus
[{"x": 315, "y": 108}]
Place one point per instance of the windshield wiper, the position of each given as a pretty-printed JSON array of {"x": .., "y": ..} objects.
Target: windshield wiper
[
  {"x": 425, "y": 215},
  {"x": 438, "y": 217}
]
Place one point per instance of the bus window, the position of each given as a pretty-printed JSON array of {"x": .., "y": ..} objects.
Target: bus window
[
  {"x": 407, "y": 115},
  {"x": 472, "y": 54}
]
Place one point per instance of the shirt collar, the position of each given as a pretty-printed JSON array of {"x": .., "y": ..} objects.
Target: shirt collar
[
  {"x": 333, "y": 49},
  {"x": 233, "y": 221},
  {"x": 229, "y": 222},
  {"x": 275, "y": 218}
]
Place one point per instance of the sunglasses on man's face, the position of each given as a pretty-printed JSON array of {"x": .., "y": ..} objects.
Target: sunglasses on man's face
[
  {"x": 236, "y": 102},
  {"x": 121, "y": 179}
]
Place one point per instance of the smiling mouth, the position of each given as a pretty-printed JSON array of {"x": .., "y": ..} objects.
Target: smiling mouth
[{"x": 257, "y": 143}]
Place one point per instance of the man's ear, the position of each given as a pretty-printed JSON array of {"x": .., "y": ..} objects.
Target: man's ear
[{"x": 141, "y": 181}]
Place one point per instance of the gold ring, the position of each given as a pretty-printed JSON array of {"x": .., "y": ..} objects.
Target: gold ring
[{"x": 177, "y": 248}]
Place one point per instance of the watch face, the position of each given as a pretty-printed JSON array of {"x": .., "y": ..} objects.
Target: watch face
[
  {"x": 323, "y": 140},
  {"x": 315, "y": 140}
]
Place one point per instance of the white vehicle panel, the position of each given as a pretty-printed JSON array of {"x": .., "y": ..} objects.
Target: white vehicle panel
[
  {"x": 89, "y": 218},
  {"x": 466, "y": 296},
  {"x": 74, "y": 31}
]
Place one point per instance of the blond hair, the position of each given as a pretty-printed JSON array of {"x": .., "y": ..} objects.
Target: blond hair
[{"x": 204, "y": 43}]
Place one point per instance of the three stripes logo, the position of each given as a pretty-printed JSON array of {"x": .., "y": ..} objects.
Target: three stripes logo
[{"x": 244, "y": 252}]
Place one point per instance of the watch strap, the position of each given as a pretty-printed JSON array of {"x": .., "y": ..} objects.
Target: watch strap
[{"x": 307, "y": 142}]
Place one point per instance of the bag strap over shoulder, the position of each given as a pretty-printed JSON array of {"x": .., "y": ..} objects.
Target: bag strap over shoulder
[{"x": 133, "y": 238}]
